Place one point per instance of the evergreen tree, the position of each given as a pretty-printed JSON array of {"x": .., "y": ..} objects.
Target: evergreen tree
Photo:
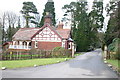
[
  {"x": 28, "y": 7},
  {"x": 80, "y": 24},
  {"x": 82, "y": 37},
  {"x": 96, "y": 21},
  {"x": 113, "y": 28},
  {"x": 49, "y": 7}
]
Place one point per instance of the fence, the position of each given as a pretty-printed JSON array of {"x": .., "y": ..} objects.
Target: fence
[{"x": 17, "y": 55}]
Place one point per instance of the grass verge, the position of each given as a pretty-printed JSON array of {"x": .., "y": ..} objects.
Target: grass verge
[
  {"x": 29, "y": 63},
  {"x": 77, "y": 54},
  {"x": 114, "y": 63}
]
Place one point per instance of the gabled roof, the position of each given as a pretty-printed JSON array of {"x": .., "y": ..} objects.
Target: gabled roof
[
  {"x": 65, "y": 33},
  {"x": 29, "y": 33},
  {"x": 25, "y": 33}
]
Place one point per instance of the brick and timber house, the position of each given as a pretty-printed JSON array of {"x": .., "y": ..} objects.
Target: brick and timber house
[{"x": 45, "y": 38}]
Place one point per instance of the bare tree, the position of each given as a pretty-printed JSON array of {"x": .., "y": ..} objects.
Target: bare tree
[
  {"x": 37, "y": 19},
  {"x": 2, "y": 21},
  {"x": 11, "y": 19},
  {"x": 0, "y": 33}
]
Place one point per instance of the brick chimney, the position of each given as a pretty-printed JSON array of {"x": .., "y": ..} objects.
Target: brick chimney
[
  {"x": 48, "y": 18},
  {"x": 60, "y": 25}
]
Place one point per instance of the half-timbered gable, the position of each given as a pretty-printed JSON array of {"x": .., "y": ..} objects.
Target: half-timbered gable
[{"x": 47, "y": 34}]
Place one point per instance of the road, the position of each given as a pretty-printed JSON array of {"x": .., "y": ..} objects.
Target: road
[{"x": 88, "y": 65}]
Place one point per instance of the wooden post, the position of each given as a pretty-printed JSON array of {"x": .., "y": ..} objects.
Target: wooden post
[
  {"x": 20, "y": 55},
  {"x": 73, "y": 49},
  {"x": 105, "y": 52},
  {"x": 10, "y": 55},
  {"x": 17, "y": 55}
]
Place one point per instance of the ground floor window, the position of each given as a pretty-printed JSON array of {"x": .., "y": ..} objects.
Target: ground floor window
[{"x": 36, "y": 44}]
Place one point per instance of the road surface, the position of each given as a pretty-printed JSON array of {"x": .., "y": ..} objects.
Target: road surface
[{"x": 88, "y": 65}]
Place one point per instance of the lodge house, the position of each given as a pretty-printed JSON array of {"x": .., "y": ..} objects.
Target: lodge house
[{"x": 45, "y": 38}]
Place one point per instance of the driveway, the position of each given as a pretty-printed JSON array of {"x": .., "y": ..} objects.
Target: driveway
[{"x": 88, "y": 65}]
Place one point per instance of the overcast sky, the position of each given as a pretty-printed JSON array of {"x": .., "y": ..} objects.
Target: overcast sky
[{"x": 16, "y": 6}]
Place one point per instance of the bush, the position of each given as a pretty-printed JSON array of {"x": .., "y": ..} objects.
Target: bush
[
  {"x": 58, "y": 49},
  {"x": 115, "y": 47},
  {"x": 60, "y": 52}
]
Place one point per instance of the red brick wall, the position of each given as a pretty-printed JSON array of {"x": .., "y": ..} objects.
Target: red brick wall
[
  {"x": 47, "y": 20},
  {"x": 33, "y": 44},
  {"x": 48, "y": 45},
  {"x": 66, "y": 44}
]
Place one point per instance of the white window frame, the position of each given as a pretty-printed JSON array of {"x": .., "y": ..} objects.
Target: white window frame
[{"x": 36, "y": 44}]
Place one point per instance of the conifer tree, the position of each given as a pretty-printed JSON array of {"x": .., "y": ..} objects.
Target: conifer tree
[
  {"x": 49, "y": 7},
  {"x": 28, "y": 7}
]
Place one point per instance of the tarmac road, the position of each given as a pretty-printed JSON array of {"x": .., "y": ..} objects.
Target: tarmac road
[{"x": 88, "y": 65}]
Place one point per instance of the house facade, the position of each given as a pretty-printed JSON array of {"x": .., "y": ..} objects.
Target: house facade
[{"x": 45, "y": 38}]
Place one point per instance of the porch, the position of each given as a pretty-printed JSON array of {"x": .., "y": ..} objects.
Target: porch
[{"x": 20, "y": 45}]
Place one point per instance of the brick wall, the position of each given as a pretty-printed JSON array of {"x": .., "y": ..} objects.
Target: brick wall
[
  {"x": 48, "y": 45},
  {"x": 33, "y": 44}
]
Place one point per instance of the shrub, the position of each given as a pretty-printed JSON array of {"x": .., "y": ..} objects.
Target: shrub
[
  {"x": 60, "y": 52},
  {"x": 58, "y": 49},
  {"x": 115, "y": 47}
]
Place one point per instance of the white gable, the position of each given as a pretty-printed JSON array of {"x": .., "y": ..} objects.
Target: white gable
[{"x": 47, "y": 35}]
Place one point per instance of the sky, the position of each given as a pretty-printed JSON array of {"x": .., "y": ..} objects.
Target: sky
[{"x": 16, "y": 5}]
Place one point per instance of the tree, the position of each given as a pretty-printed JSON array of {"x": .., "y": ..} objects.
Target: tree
[
  {"x": 3, "y": 22},
  {"x": 96, "y": 21},
  {"x": 18, "y": 23},
  {"x": 49, "y": 7},
  {"x": 28, "y": 7},
  {"x": 70, "y": 10},
  {"x": 0, "y": 33},
  {"x": 80, "y": 24},
  {"x": 36, "y": 20},
  {"x": 113, "y": 23},
  {"x": 11, "y": 19}
]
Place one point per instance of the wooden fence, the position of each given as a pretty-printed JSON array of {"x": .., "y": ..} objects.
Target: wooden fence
[{"x": 17, "y": 55}]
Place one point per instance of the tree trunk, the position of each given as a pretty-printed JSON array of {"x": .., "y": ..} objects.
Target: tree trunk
[{"x": 27, "y": 22}]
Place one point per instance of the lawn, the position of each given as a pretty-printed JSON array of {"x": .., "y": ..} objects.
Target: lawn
[
  {"x": 114, "y": 63},
  {"x": 77, "y": 54},
  {"x": 31, "y": 62}
]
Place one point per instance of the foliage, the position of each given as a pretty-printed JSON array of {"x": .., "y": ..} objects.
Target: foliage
[
  {"x": 10, "y": 32},
  {"x": 82, "y": 31},
  {"x": 96, "y": 21},
  {"x": 60, "y": 52},
  {"x": 58, "y": 49},
  {"x": 27, "y": 9},
  {"x": 8, "y": 25},
  {"x": 114, "y": 45},
  {"x": 49, "y": 7},
  {"x": 113, "y": 24}
]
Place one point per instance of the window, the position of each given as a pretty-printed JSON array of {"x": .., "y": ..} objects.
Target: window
[
  {"x": 63, "y": 44},
  {"x": 36, "y": 44},
  {"x": 69, "y": 46}
]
